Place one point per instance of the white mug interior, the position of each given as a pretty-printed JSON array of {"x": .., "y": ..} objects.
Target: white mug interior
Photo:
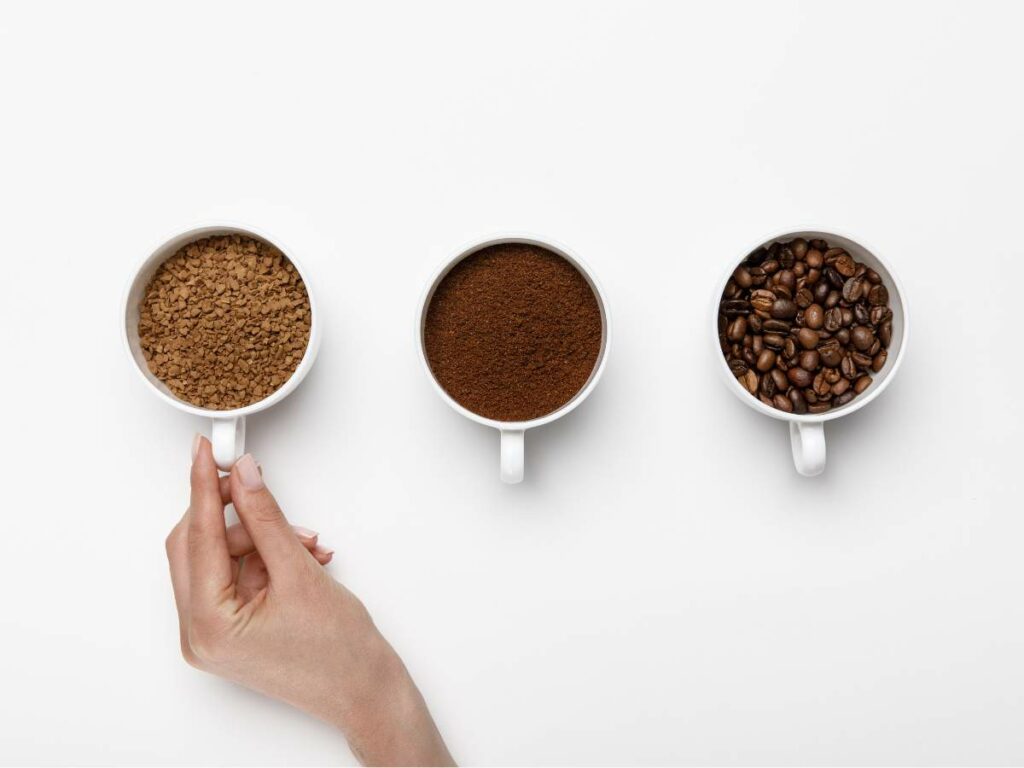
[
  {"x": 228, "y": 429},
  {"x": 801, "y": 435},
  {"x": 513, "y": 432}
]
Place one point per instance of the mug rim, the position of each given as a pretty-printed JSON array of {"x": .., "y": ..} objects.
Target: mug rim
[
  {"x": 855, "y": 405},
  {"x": 191, "y": 234},
  {"x": 525, "y": 238}
]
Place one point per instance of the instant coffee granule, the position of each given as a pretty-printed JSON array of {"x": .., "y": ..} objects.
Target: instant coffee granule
[
  {"x": 225, "y": 321},
  {"x": 513, "y": 332}
]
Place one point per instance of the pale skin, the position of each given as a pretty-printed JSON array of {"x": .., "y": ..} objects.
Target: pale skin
[{"x": 256, "y": 606}]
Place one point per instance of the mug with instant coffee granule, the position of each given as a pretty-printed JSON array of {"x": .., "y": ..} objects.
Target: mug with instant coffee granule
[
  {"x": 220, "y": 322},
  {"x": 513, "y": 333},
  {"x": 809, "y": 327}
]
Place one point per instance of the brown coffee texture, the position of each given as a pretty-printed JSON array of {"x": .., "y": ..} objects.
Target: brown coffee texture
[
  {"x": 513, "y": 332},
  {"x": 225, "y": 321}
]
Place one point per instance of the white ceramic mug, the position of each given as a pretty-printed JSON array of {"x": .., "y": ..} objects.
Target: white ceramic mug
[
  {"x": 513, "y": 433},
  {"x": 228, "y": 427},
  {"x": 807, "y": 431}
]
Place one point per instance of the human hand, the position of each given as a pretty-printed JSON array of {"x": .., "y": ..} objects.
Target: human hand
[{"x": 256, "y": 606}]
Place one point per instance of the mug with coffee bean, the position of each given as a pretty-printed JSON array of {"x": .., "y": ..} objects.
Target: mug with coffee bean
[
  {"x": 810, "y": 326},
  {"x": 220, "y": 322},
  {"x": 513, "y": 333}
]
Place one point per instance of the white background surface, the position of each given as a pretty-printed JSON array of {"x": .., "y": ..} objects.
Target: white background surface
[{"x": 663, "y": 588}]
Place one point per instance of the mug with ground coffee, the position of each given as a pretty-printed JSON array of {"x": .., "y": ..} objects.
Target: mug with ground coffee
[
  {"x": 809, "y": 327},
  {"x": 221, "y": 322},
  {"x": 513, "y": 333}
]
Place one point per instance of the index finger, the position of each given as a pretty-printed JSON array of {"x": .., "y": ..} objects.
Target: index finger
[{"x": 209, "y": 563}]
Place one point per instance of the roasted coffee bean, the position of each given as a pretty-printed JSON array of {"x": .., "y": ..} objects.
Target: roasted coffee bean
[
  {"x": 803, "y": 326},
  {"x": 843, "y": 399},
  {"x": 847, "y": 367},
  {"x": 810, "y": 360},
  {"x": 852, "y": 289},
  {"x": 821, "y": 291},
  {"x": 756, "y": 256},
  {"x": 781, "y": 381},
  {"x": 862, "y": 337},
  {"x": 798, "y": 401},
  {"x": 775, "y": 326},
  {"x": 742, "y": 277},
  {"x": 736, "y": 307},
  {"x": 885, "y": 334},
  {"x": 808, "y": 338},
  {"x": 861, "y": 360},
  {"x": 831, "y": 354},
  {"x": 783, "y": 403},
  {"x": 738, "y": 368},
  {"x": 814, "y": 317},
  {"x": 800, "y": 377},
  {"x": 845, "y": 265},
  {"x": 833, "y": 276},
  {"x": 783, "y": 309},
  {"x": 821, "y": 385},
  {"x": 761, "y": 300},
  {"x": 738, "y": 329},
  {"x": 833, "y": 319},
  {"x": 878, "y": 295},
  {"x": 765, "y": 360}
]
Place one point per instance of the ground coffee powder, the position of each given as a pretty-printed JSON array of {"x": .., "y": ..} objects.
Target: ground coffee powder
[
  {"x": 225, "y": 321},
  {"x": 513, "y": 332}
]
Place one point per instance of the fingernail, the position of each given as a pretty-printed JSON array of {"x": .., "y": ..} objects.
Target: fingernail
[
  {"x": 249, "y": 473},
  {"x": 304, "y": 533},
  {"x": 323, "y": 551},
  {"x": 195, "y": 445}
]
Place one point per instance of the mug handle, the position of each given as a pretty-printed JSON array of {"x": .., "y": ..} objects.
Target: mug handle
[
  {"x": 808, "y": 440},
  {"x": 513, "y": 459},
  {"x": 228, "y": 439}
]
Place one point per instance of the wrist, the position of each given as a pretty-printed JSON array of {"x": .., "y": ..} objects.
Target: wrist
[{"x": 389, "y": 722}]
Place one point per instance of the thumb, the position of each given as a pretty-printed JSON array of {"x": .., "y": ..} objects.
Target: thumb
[{"x": 274, "y": 538}]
